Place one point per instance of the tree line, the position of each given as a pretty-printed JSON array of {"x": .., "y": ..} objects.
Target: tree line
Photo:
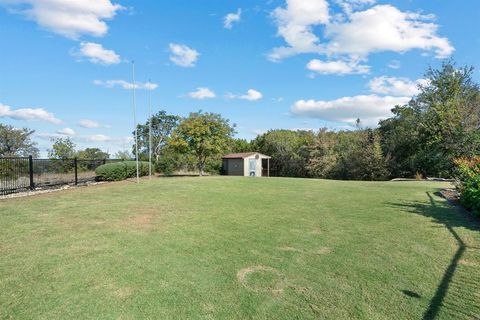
[
  {"x": 422, "y": 138},
  {"x": 15, "y": 142}
]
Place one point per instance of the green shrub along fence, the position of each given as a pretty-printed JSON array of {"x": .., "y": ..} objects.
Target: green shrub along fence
[
  {"x": 121, "y": 170},
  {"x": 19, "y": 174},
  {"x": 468, "y": 183}
]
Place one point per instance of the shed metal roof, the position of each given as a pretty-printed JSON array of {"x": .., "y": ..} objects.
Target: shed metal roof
[{"x": 243, "y": 155}]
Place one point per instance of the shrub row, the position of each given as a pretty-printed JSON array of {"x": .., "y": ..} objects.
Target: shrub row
[
  {"x": 468, "y": 183},
  {"x": 117, "y": 171}
]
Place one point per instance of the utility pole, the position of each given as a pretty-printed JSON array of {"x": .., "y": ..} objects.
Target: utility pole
[
  {"x": 149, "y": 130},
  {"x": 135, "y": 119}
]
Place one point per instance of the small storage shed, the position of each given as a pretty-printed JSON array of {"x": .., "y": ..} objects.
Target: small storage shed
[{"x": 252, "y": 164}]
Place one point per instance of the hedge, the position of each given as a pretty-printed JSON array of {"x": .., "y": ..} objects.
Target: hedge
[
  {"x": 117, "y": 171},
  {"x": 468, "y": 176}
]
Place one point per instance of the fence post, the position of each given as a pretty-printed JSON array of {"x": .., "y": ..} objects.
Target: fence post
[
  {"x": 76, "y": 170},
  {"x": 30, "y": 171}
]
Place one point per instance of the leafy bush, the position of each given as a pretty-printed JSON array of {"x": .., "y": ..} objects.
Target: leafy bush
[
  {"x": 117, "y": 171},
  {"x": 470, "y": 197},
  {"x": 167, "y": 164},
  {"x": 468, "y": 183}
]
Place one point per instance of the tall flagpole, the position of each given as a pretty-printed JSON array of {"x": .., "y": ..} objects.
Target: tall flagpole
[
  {"x": 135, "y": 119},
  {"x": 149, "y": 131}
]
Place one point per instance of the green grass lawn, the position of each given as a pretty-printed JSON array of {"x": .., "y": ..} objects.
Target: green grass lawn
[{"x": 239, "y": 248}]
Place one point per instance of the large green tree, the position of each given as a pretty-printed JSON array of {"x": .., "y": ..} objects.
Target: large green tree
[
  {"x": 438, "y": 125},
  {"x": 92, "y": 154},
  {"x": 289, "y": 151},
  {"x": 205, "y": 135},
  {"x": 62, "y": 148},
  {"x": 240, "y": 145},
  {"x": 323, "y": 158},
  {"x": 162, "y": 125},
  {"x": 367, "y": 161},
  {"x": 123, "y": 155},
  {"x": 347, "y": 155},
  {"x": 17, "y": 142}
]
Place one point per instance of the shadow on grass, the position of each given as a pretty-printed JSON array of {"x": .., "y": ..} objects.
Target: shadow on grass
[
  {"x": 411, "y": 294},
  {"x": 450, "y": 217}
]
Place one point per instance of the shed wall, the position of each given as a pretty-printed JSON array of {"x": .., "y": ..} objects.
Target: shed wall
[
  {"x": 258, "y": 166},
  {"x": 235, "y": 167}
]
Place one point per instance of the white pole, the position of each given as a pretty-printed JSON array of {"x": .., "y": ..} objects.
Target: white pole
[
  {"x": 135, "y": 119},
  {"x": 149, "y": 131}
]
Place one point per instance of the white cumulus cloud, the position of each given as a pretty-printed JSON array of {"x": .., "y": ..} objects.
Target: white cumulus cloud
[
  {"x": 202, "y": 93},
  {"x": 251, "y": 95},
  {"x": 96, "y": 53},
  {"x": 337, "y": 67},
  {"x": 183, "y": 55},
  {"x": 369, "y": 108},
  {"x": 69, "y": 18},
  {"x": 351, "y": 5},
  {"x": 386, "y": 28},
  {"x": 28, "y": 114},
  {"x": 91, "y": 124},
  {"x": 125, "y": 84},
  {"x": 356, "y": 32},
  {"x": 395, "y": 86},
  {"x": 95, "y": 138},
  {"x": 231, "y": 18},
  {"x": 295, "y": 25},
  {"x": 66, "y": 132}
]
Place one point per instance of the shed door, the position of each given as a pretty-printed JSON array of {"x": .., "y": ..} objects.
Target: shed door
[{"x": 252, "y": 167}]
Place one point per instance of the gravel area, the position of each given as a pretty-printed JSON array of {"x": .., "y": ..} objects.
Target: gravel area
[{"x": 48, "y": 190}]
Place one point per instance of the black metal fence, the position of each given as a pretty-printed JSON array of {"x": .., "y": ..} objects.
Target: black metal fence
[{"x": 26, "y": 173}]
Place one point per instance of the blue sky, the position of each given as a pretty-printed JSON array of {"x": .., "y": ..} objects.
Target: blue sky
[{"x": 65, "y": 65}]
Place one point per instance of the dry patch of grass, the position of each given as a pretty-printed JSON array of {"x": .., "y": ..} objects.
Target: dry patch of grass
[
  {"x": 324, "y": 250},
  {"x": 123, "y": 293},
  {"x": 289, "y": 249},
  {"x": 143, "y": 221},
  {"x": 261, "y": 279},
  {"x": 468, "y": 263}
]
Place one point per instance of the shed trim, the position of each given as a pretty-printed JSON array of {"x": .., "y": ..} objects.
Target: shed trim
[{"x": 243, "y": 155}]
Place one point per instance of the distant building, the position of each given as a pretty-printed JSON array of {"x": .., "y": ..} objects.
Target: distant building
[{"x": 252, "y": 164}]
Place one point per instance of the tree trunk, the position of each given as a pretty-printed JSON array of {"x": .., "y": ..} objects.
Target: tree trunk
[{"x": 201, "y": 166}]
